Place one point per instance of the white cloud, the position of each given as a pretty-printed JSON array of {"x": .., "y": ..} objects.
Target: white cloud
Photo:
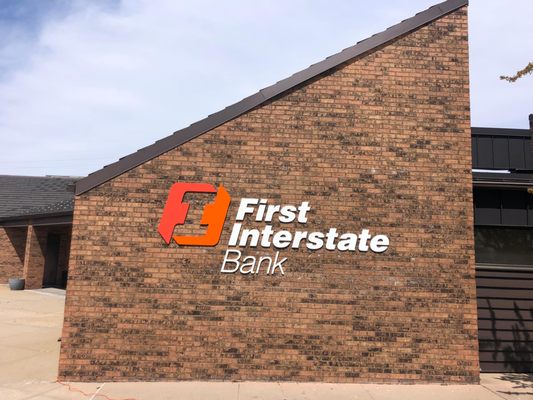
[{"x": 100, "y": 83}]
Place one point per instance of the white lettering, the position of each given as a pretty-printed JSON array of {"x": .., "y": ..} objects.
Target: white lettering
[
  {"x": 253, "y": 234},
  {"x": 234, "y": 234},
  {"x": 247, "y": 262},
  {"x": 245, "y": 209},
  {"x": 363, "y": 239},
  {"x": 302, "y": 211},
  {"x": 227, "y": 260},
  {"x": 282, "y": 239},
  {"x": 330, "y": 239},
  {"x": 298, "y": 237},
  {"x": 287, "y": 214},
  {"x": 261, "y": 259},
  {"x": 379, "y": 243},
  {"x": 277, "y": 264},
  {"x": 266, "y": 235},
  {"x": 261, "y": 210},
  {"x": 347, "y": 241},
  {"x": 271, "y": 210},
  {"x": 315, "y": 240},
  {"x": 251, "y": 265}
]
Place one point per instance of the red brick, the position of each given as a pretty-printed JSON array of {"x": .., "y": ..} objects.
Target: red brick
[{"x": 381, "y": 143}]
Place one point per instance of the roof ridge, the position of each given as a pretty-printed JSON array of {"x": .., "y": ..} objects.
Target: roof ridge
[{"x": 198, "y": 128}]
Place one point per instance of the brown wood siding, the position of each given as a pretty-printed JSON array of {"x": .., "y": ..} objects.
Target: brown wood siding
[{"x": 505, "y": 320}]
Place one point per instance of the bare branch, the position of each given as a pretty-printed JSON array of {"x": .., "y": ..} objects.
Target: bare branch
[{"x": 527, "y": 70}]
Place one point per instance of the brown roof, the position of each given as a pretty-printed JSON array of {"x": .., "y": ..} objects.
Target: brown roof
[{"x": 184, "y": 135}]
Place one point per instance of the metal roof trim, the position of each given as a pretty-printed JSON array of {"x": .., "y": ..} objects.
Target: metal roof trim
[
  {"x": 516, "y": 179},
  {"x": 58, "y": 218},
  {"x": 512, "y": 132},
  {"x": 184, "y": 135}
]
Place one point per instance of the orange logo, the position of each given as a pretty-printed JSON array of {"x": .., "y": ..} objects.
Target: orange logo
[{"x": 175, "y": 213}]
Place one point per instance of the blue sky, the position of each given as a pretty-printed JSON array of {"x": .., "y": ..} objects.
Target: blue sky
[{"x": 84, "y": 82}]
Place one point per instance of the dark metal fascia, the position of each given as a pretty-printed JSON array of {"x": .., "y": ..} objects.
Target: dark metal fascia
[
  {"x": 504, "y": 268},
  {"x": 500, "y": 184},
  {"x": 61, "y": 218},
  {"x": 501, "y": 132}
]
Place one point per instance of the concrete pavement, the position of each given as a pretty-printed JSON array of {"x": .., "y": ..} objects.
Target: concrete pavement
[{"x": 30, "y": 324}]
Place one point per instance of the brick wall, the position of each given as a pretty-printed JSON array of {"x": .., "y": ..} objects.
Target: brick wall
[
  {"x": 18, "y": 243},
  {"x": 382, "y": 143},
  {"x": 12, "y": 245},
  {"x": 34, "y": 257}
]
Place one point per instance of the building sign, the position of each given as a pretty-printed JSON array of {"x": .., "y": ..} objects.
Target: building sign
[
  {"x": 264, "y": 213},
  {"x": 175, "y": 213}
]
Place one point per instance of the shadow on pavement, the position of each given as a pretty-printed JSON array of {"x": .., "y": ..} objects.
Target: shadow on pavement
[{"x": 519, "y": 382}]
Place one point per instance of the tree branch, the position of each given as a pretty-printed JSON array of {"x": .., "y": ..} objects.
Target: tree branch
[{"x": 527, "y": 70}]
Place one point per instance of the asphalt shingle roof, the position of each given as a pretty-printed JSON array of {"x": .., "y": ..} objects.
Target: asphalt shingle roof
[{"x": 35, "y": 195}]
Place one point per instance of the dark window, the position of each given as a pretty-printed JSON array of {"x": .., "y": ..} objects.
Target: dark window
[
  {"x": 514, "y": 207},
  {"x": 530, "y": 209},
  {"x": 487, "y": 207},
  {"x": 500, "y": 245},
  {"x": 503, "y": 207}
]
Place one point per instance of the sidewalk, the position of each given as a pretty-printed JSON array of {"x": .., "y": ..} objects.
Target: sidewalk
[
  {"x": 492, "y": 388},
  {"x": 30, "y": 324}
]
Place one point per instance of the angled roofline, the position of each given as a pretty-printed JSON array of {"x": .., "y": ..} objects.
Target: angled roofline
[{"x": 184, "y": 135}]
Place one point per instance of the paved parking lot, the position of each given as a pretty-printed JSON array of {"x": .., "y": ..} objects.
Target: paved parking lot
[{"x": 30, "y": 325}]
